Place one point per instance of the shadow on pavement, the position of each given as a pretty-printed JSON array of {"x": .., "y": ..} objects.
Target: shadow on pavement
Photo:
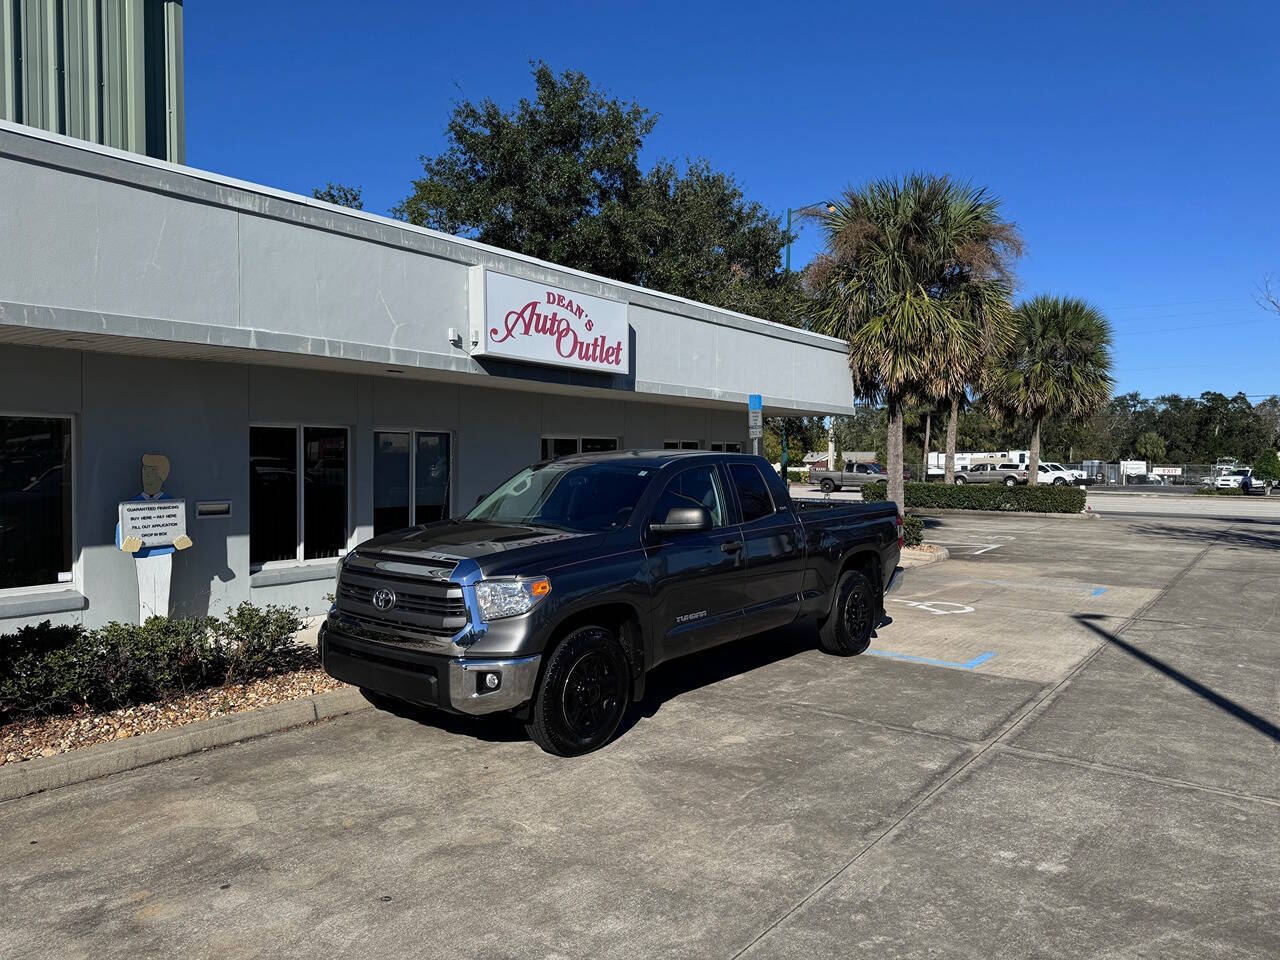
[
  {"x": 1244, "y": 715},
  {"x": 1244, "y": 532}
]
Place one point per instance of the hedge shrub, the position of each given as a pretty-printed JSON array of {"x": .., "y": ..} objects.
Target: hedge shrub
[
  {"x": 912, "y": 531},
  {"x": 1215, "y": 492},
  {"x": 53, "y": 669},
  {"x": 1042, "y": 498}
]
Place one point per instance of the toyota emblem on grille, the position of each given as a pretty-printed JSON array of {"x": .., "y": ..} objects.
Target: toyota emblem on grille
[{"x": 384, "y": 599}]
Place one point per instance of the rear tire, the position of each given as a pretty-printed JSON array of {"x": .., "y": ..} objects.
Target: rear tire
[
  {"x": 583, "y": 694},
  {"x": 827, "y": 485},
  {"x": 848, "y": 627},
  {"x": 1010, "y": 482}
]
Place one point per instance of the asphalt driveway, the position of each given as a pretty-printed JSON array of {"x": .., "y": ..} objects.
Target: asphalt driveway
[{"x": 1063, "y": 746}]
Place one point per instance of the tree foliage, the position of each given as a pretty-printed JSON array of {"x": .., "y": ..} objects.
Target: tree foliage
[
  {"x": 1058, "y": 364},
  {"x": 340, "y": 195},
  {"x": 914, "y": 275},
  {"x": 559, "y": 178}
]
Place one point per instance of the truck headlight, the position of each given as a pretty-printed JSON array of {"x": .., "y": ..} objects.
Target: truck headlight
[{"x": 510, "y": 598}]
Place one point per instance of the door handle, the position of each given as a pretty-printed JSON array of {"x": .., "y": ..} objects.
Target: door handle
[{"x": 731, "y": 546}]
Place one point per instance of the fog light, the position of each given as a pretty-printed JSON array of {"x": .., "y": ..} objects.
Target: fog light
[
  {"x": 488, "y": 681},
  {"x": 491, "y": 681}
]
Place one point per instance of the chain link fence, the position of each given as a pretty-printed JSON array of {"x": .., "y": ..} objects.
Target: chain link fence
[{"x": 1139, "y": 473}]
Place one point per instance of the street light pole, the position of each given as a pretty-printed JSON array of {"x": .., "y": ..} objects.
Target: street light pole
[{"x": 831, "y": 208}]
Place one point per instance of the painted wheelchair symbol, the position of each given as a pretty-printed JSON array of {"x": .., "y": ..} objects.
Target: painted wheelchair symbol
[{"x": 939, "y": 607}]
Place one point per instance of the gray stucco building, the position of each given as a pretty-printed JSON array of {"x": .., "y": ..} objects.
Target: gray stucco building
[{"x": 314, "y": 374}]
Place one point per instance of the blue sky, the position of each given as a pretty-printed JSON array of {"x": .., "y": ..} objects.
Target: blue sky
[{"x": 1136, "y": 145}]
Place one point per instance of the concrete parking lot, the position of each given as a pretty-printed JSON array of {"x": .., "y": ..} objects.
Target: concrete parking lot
[{"x": 1064, "y": 745}]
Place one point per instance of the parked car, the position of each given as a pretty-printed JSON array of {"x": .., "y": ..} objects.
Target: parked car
[
  {"x": 1054, "y": 474},
  {"x": 1077, "y": 476},
  {"x": 559, "y": 592},
  {"x": 1233, "y": 479},
  {"x": 1010, "y": 474},
  {"x": 853, "y": 475}
]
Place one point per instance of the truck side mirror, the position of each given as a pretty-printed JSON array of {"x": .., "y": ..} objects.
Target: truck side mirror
[{"x": 684, "y": 520}]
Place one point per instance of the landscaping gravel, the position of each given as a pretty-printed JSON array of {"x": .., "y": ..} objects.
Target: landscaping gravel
[{"x": 47, "y": 736}]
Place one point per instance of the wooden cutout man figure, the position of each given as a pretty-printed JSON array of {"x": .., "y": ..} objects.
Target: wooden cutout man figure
[{"x": 154, "y": 564}]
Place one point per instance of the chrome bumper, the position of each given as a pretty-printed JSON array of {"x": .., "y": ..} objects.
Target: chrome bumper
[{"x": 518, "y": 675}]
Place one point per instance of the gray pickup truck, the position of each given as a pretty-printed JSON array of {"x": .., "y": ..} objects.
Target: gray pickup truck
[
  {"x": 1010, "y": 474},
  {"x": 563, "y": 588},
  {"x": 853, "y": 475}
]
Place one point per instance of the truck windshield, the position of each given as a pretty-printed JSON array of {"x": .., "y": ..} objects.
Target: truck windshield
[{"x": 585, "y": 497}]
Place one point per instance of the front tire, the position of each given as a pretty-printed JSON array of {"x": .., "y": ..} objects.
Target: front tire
[
  {"x": 848, "y": 627},
  {"x": 583, "y": 694},
  {"x": 958, "y": 481}
]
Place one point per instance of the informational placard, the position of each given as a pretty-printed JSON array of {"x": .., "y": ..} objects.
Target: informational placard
[
  {"x": 518, "y": 319},
  {"x": 157, "y": 523},
  {"x": 1167, "y": 471},
  {"x": 755, "y": 416}
]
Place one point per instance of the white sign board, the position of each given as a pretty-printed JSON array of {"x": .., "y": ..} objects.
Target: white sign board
[
  {"x": 1167, "y": 471},
  {"x": 157, "y": 523},
  {"x": 524, "y": 320}
]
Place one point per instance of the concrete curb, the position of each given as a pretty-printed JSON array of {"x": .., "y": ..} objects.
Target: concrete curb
[
  {"x": 947, "y": 511},
  {"x": 102, "y": 760},
  {"x": 915, "y": 557}
]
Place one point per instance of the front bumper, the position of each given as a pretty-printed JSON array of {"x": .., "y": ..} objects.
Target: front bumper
[{"x": 455, "y": 684}]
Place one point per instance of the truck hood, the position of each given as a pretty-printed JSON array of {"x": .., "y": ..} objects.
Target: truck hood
[{"x": 492, "y": 545}]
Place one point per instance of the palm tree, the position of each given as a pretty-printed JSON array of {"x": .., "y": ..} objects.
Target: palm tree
[
  {"x": 1059, "y": 364},
  {"x": 913, "y": 275}
]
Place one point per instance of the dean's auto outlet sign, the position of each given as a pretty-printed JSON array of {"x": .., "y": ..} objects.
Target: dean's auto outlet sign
[{"x": 518, "y": 319}]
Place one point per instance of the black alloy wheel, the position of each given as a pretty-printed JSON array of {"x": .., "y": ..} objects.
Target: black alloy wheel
[
  {"x": 848, "y": 628},
  {"x": 583, "y": 694}
]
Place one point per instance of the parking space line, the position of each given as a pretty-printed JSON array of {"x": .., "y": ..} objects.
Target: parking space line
[{"x": 973, "y": 664}]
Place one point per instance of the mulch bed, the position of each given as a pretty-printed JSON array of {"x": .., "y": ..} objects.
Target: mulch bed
[{"x": 47, "y": 736}]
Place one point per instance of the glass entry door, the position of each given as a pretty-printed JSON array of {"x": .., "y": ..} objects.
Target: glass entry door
[{"x": 404, "y": 461}]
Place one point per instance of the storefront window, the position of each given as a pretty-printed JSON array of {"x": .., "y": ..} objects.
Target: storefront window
[
  {"x": 554, "y": 447},
  {"x": 324, "y": 492},
  {"x": 681, "y": 445},
  {"x": 278, "y": 530},
  {"x": 431, "y": 477},
  {"x": 35, "y": 501},
  {"x": 427, "y": 473},
  {"x": 725, "y": 446},
  {"x": 390, "y": 481}
]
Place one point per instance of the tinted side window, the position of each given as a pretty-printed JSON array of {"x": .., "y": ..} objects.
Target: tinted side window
[
  {"x": 752, "y": 492},
  {"x": 698, "y": 487},
  {"x": 777, "y": 488}
]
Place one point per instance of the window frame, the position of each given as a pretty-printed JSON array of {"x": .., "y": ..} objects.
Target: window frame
[
  {"x": 728, "y": 501},
  {"x": 299, "y": 434},
  {"x": 451, "y": 506},
  {"x": 737, "y": 498},
  {"x": 577, "y": 441},
  {"x": 75, "y": 575}
]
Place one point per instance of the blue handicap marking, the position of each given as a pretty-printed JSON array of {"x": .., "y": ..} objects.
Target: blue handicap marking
[
  {"x": 1100, "y": 591},
  {"x": 973, "y": 664}
]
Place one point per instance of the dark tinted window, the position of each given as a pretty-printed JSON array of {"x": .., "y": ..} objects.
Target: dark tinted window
[
  {"x": 752, "y": 492},
  {"x": 599, "y": 444},
  {"x": 390, "y": 481},
  {"x": 699, "y": 487},
  {"x": 273, "y": 494},
  {"x": 567, "y": 496},
  {"x": 324, "y": 491},
  {"x": 431, "y": 477},
  {"x": 35, "y": 500},
  {"x": 778, "y": 488}
]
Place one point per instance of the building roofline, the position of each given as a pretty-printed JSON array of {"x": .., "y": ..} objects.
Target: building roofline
[{"x": 175, "y": 179}]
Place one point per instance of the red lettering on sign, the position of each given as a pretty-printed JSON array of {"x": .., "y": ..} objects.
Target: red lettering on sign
[{"x": 529, "y": 321}]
